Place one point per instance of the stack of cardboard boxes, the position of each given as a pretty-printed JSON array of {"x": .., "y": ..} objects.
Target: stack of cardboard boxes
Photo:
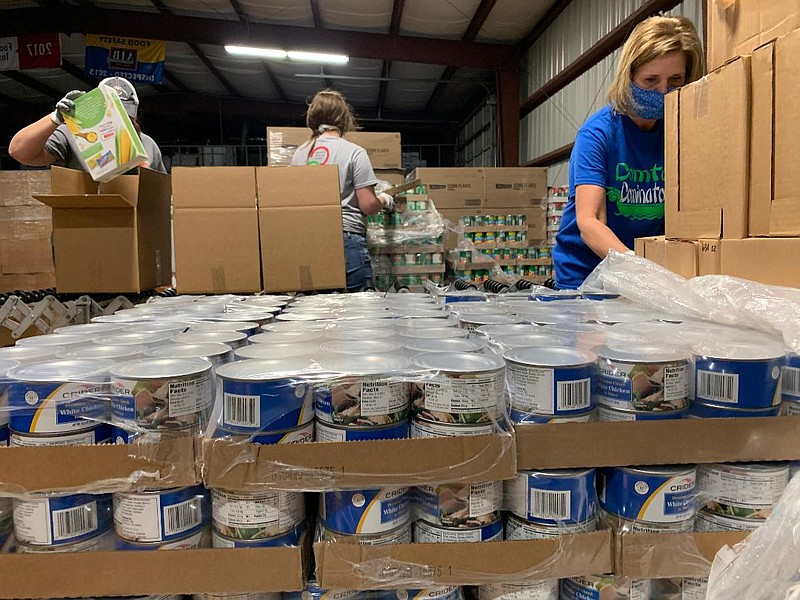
[
  {"x": 732, "y": 140},
  {"x": 26, "y": 226}
]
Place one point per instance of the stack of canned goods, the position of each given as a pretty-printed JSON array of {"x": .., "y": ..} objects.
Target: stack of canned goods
[
  {"x": 368, "y": 517},
  {"x": 415, "y": 258},
  {"x": 641, "y": 383},
  {"x": 172, "y": 519},
  {"x": 257, "y": 519}
]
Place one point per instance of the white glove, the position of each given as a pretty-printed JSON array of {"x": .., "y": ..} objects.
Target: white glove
[
  {"x": 386, "y": 201},
  {"x": 65, "y": 106}
]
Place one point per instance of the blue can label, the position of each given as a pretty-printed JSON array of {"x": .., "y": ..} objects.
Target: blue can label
[
  {"x": 518, "y": 416},
  {"x": 160, "y": 516},
  {"x": 333, "y": 433},
  {"x": 597, "y": 588},
  {"x": 440, "y": 593},
  {"x": 4, "y": 435},
  {"x": 552, "y": 497},
  {"x": 643, "y": 386},
  {"x": 428, "y": 533},
  {"x": 4, "y": 385},
  {"x": 253, "y": 406},
  {"x": 58, "y": 520},
  {"x": 314, "y": 592},
  {"x": 101, "y": 434},
  {"x": 363, "y": 402},
  {"x": 707, "y": 411},
  {"x": 561, "y": 391},
  {"x": 291, "y": 538},
  {"x": 300, "y": 435},
  {"x": 365, "y": 511},
  {"x": 56, "y": 407},
  {"x": 611, "y": 415},
  {"x": 653, "y": 497},
  {"x": 738, "y": 384}
]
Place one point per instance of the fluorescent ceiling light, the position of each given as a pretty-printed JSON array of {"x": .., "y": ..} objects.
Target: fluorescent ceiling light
[
  {"x": 256, "y": 52},
  {"x": 318, "y": 57}
]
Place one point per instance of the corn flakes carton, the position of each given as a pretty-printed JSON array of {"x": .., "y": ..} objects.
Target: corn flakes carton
[{"x": 104, "y": 134}]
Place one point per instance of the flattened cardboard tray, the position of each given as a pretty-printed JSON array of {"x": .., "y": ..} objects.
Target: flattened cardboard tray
[
  {"x": 684, "y": 441},
  {"x": 319, "y": 466},
  {"x": 661, "y": 555},
  {"x": 134, "y": 573},
  {"x": 351, "y": 566},
  {"x": 161, "y": 465}
]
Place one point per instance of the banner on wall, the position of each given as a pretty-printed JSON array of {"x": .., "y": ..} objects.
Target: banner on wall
[
  {"x": 136, "y": 59},
  {"x": 36, "y": 51}
]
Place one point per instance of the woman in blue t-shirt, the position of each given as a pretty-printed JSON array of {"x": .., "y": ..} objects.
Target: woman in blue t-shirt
[{"x": 616, "y": 171}]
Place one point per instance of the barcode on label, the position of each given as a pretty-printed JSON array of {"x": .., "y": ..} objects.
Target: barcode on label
[
  {"x": 181, "y": 517},
  {"x": 243, "y": 411},
  {"x": 790, "y": 383},
  {"x": 722, "y": 387},
  {"x": 550, "y": 505},
  {"x": 74, "y": 522},
  {"x": 573, "y": 394}
]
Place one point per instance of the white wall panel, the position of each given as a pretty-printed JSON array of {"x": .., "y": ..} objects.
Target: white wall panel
[{"x": 477, "y": 138}]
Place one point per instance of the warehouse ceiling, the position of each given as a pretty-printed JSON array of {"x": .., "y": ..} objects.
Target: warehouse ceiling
[{"x": 413, "y": 63}]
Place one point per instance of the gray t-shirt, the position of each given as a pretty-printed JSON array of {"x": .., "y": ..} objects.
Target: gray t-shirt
[
  {"x": 355, "y": 172},
  {"x": 62, "y": 146}
]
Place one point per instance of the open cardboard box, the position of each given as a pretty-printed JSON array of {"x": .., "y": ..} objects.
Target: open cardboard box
[
  {"x": 318, "y": 466},
  {"x": 682, "y": 441},
  {"x": 351, "y": 566},
  {"x": 663, "y": 555}
]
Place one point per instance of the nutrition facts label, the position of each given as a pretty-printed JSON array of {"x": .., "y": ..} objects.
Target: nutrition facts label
[
  {"x": 465, "y": 395},
  {"x": 485, "y": 498},
  {"x": 138, "y": 518},
  {"x": 282, "y": 509},
  {"x": 531, "y": 389},
  {"x": 743, "y": 487},
  {"x": 32, "y": 522},
  {"x": 187, "y": 397},
  {"x": 382, "y": 397}
]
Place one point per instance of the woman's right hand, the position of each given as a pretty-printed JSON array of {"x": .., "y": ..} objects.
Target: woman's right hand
[{"x": 590, "y": 212}]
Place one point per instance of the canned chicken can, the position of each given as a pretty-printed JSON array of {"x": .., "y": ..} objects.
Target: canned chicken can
[
  {"x": 302, "y": 434},
  {"x": 401, "y": 535},
  {"x": 744, "y": 490},
  {"x": 365, "y": 511},
  {"x": 198, "y": 539},
  {"x": 546, "y": 589},
  {"x": 790, "y": 409},
  {"x": 472, "y": 321},
  {"x": 622, "y": 525},
  {"x": 162, "y": 394},
  {"x": 5, "y": 366},
  {"x": 246, "y": 327},
  {"x": 694, "y": 588},
  {"x": 642, "y": 378},
  {"x": 551, "y": 497},
  {"x": 553, "y": 381},
  {"x": 417, "y": 346},
  {"x": 435, "y": 593},
  {"x": 521, "y": 529},
  {"x": 97, "y": 543},
  {"x": 713, "y": 521},
  {"x": 232, "y": 339},
  {"x": 290, "y": 538},
  {"x": 217, "y": 353},
  {"x": 256, "y": 515},
  {"x": 312, "y": 591},
  {"x": 554, "y": 295},
  {"x": 738, "y": 375},
  {"x": 459, "y": 504},
  {"x": 369, "y": 395},
  {"x": 698, "y": 410},
  {"x": 162, "y": 515},
  {"x": 327, "y": 432},
  {"x": 605, "y": 587},
  {"x": 464, "y": 388},
  {"x": 422, "y": 428},
  {"x": 265, "y": 395},
  {"x": 59, "y": 396},
  {"x": 58, "y": 520},
  {"x": 522, "y": 417},
  {"x": 428, "y": 533},
  {"x": 606, "y": 414},
  {"x": 100, "y": 434},
  {"x": 649, "y": 494},
  {"x": 790, "y": 379}
]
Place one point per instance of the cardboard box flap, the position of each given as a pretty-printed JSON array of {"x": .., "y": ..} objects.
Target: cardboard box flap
[
  {"x": 659, "y": 555},
  {"x": 352, "y": 566},
  {"x": 71, "y": 182},
  {"x": 88, "y": 201},
  {"x": 252, "y": 467}
]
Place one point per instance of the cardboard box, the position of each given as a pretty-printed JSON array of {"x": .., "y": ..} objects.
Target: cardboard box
[
  {"x": 685, "y": 441},
  {"x": 26, "y": 256},
  {"x": 383, "y": 149},
  {"x": 112, "y": 237},
  {"x": 462, "y": 564},
  {"x": 739, "y": 27},
  {"x": 393, "y": 176},
  {"x": 453, "y": 187},
  {"x": 678, "y": 256},
  {"x": 26, "y": 222},
  {"x": 300, "y": 219},
  {"x": 317, "y": 466},
  {"x": 18, "y": 188},
  {"x": 660, "y": 555},
  {"x": 515, "y": 187},
  {"x": 26, "y": 282},
  {"x": 774, "y": 192},
  {"x": 217, "y": 247},
  {"x": 766, "y": 260},
  {"x": 707, "y": 153}
]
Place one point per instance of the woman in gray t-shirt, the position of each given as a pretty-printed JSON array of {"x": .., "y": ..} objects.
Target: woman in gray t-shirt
[{"x": 330, "y": 117}]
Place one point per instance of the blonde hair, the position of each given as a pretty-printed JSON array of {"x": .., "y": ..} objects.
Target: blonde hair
[
  {"x": 653, "y": 38},
  {"x": 329, "y": 107}
]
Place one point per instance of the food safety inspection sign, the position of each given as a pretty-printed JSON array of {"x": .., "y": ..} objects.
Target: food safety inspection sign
[
  {"x": 30, "y": 52},
  {"x": 135, "y": 59}
]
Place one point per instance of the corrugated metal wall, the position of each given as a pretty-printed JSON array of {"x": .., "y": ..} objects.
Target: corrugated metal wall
[
  {"x": 477, "y": 141},
  {"x": 553, "y": 124}
]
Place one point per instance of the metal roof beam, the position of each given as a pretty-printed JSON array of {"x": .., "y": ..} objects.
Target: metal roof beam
[
  {"x": 394, "y": 29},
  {"x": 180, "y": 28},
  {"x": 34, "y": 84},
  {"x": 318, "y": 24},
  {"x": 169, "y": 76},
  {"x": 78, "y": 73}
]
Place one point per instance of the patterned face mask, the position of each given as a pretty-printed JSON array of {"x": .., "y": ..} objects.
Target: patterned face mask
[{"x": 648, "y": 104}]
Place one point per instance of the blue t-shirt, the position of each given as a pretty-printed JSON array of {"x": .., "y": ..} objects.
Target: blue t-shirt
[{"x": 612, "y": 152}]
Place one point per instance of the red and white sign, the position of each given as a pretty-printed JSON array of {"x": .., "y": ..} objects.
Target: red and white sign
[{"x": 35, "y": 51}]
